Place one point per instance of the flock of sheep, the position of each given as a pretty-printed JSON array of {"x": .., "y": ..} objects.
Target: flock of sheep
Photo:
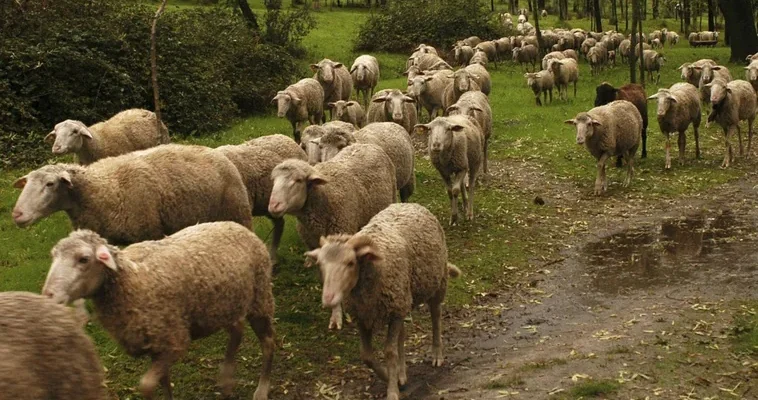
[{"x": 192, "y": 265}]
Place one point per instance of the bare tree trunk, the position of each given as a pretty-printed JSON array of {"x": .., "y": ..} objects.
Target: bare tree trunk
[
  {"x": 642, "y": 52},
  {"x": 687, "y": 17},
  {"x": 711, "y": 19},
  {"x": 626, "y": 15},
  {"x": 154, "y": 64},
  {"x": 598, "y": 17},
  {"x": 738, "y": 16},
  {"x": 633, "y": 54},
  {"x": 248, "y": 14}
]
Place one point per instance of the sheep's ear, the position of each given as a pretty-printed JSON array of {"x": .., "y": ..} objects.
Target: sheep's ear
[
  {"x": 65, "y": 179},
  {"x": 315, "y": 179},
  {"x": 51, "y": 136},
  {"x": 729, "y": 90},
  {"x": 331, "y": 104},
  {"x": 353, "y": 69},
  {"x": 428, "y": 78},
  {"x": 475, "y": 108},
  {"x": 744, "y": 67},
  {"x": 312, "y": 256},
  {"x": 716, "y": 68},
  {"x": 20, "y": 182},
  {"x": 682, "y": 66},
  {"x": 698, "y": 68},
  {"x": 653, "y": 97},
  {"x": 105, "y": 257},
  {"x": 337, "y": 65},
  {"x": 273, "y": 101},
  {"x": 314, "y": 67},
  {"x": 420, "y": 128},
  {"x": 295, "y": 100},
  {"x": 409, "y": 99},
  {"x": 364, "y": 248},
  {"x": 85, "y": 132},
  {"x": 596, "y": 122},
  {"x": 406, "y": 73},
  {"x": 570, "y": 121},
  {"x": 352, "y": 103},
  {"x": 451, "y": 109},
  {"x": 379, "y": 99}
]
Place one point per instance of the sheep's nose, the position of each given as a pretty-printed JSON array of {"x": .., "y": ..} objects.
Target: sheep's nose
[
  {"x": 17, "y": 214},
  {"x": 275, "y": 206}
]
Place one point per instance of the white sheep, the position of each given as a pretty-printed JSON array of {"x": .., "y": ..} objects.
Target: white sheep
[
  {"x": 156, "y": 297},
  {"x": 138, "y": 196},
  {"x": 348, "y": 111},
  {"x": 565, "y": 72},
  {"x": 125, "y": 132},
  {"x": 653, "y": 62},
  {"x": 398, "y": 261},
  {"x": 335, "y": 80},
  {"x": 541, "y": 83},
  {"x": 312, "y": 134},
  {"x": 476, "y": 105},
  {"x": 392, "y": 105},
  {"x": 733, "y": 102},
  {"x": 751, "y": 74},
  {"x": 429, "y": 90},
  {"x": 365, "y": 74},
  {"x": 678, "y": 107},
  {"x": 300, "y": 102}
]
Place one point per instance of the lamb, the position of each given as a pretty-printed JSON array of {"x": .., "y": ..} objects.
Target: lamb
[
  {"x": 255, "y": 160},
  {"x": 555, "y": 55},
  {"x": 456, "y": 149},
  {"x": 462, "y": 82},
  {"x": 365, "y": 74},
  {"x": 522, "y": 19},
  {"x": 653, "y": 62},
  {"x": 156, "y": 297},
  {"x": 691, "y": 71},
  {"x": 476, "y": 105},
  {"x": 541, "y": 83},
  {"x": 429, "y": 90},
  {"x": 631, "y": 92},
  {"x": 391, "y": 105},
  {"x": 607, "y": 131},
  {"x": 587, "y": 45},
  {"x": 479, "y": 58},
  {"x": 504, "y": 46},
  {"x": 336, "y": 81},
  {"x": 612, "y": 57},
  {"x": 348, "y": 111},
  {"x": 142, "y": 195},
  {"x": 46, "y": 353},
  {"x": 392, "y": 138},
  {"x": 300, "y": 102},
  {"x": 565, "y": 72},
  {"x": 489, "y": 48},
  {"x": 396, "y": 262},
  {"x": 337, "y": 196},
  {"x": 463, "y": 54},
  {"x": 672, "y": 38},
  {"x": 751, "y": 74},
  {"x": 526, "y": 54},
  {"x": 624, "y": 50},
  {"x": 733, "y": 102},
  {"x": 678, "y": 107},
  {"x": 123, "y": 133}
]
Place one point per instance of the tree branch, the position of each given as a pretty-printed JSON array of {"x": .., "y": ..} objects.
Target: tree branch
[{"x": 154, "y": 63}]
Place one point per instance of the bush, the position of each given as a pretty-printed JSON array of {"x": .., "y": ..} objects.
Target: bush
[
  {"x": 88, "y": 60},
  {"x": 398, "y": 28}
]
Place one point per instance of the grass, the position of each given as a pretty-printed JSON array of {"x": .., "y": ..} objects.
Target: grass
[
  {"x": 593, "y": 388},
  {"x": 502, "y": 239},
  {"x": 745, "y": 330}
]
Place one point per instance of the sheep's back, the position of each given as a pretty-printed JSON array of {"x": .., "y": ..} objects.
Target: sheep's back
[
  {"x": 127, "y": 131},
  {"x": 743, "y": 91},
  {"x": 393, "y": 139}
]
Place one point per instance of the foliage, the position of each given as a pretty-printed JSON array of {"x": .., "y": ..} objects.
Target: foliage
[
  {"x": 287, "y": 28},
  {"x": 89, "y": 60},
  {"x": 399, "y": 28}
]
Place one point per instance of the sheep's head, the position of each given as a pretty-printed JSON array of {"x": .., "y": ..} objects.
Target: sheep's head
[
  {"x": 418, "y": 84},
  {"x": 394, "y": 103},
  {"x": 284, "y": 101},
  {"x": 516, "y": 51},
  {"x": 531, "y": 78},
  {"x": 339, "y": 109},
  {"x": 441, "y": 132},
  {"x": 80, "y": 264},
  {"x": 44, "y": 191},
  {"x": 585, "y": 126},
  {"x": 292, "y": 180},
  {"x": 604, "y": 94},
  {"x": 751, "y": 72},
  {"x": 462, "y": 80},
  {"x": 665, "y": 101},
  {"x": 719, "y": 91},
  {"x": 463, "y": 109},
  {"x": 687, "y": 71},
  {"x": 340, "y": 259},
  {"x": 309, "y": 142},
  {"x": 706, "y": 73},
  {"x": 360, "y": 71},
  {"x": 331, "y": 144},
  {"x": 325, "y": 70},
  {"x": 68, "y": 136}
]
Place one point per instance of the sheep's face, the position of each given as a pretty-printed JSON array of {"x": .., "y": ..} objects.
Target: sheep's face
[
  {"x": 394, "y": 104},
  {"x": 665, "y": 102},
  {"x": 340, "y": 259},
  {"x": 441, "y": 134},
  {"x": 45, "y": 191},
  {"x": 331, "y": 144},
  {"x": 69, "y": 137},
  {"x": 309, "y": 143},
  {"x": 462, "y": 80},
  {"x": 531, "y": 79},
  {"x": 718, "y": 92},
  {"x": 418, "y": 85},
  {"x": 516, "y": 52},
  {"x": 79, "y": 267},
  {"x": 751, "y": 73},
  {"x": 687, "y": 71},
  {"x": 325, "y": 70},
  {"x": 339, "y": 109},
  {"x": 360, "y": 72},
  {"x": 706, "y": 74},
  {"x": 292, "y": 181},
  {"x": 585, "y": 127},
  {"x": 285, "y": 101}
]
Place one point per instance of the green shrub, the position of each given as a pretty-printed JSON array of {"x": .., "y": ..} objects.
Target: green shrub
[
  {"x": 90, "y": 59},
  {"x": 404, "y": 24}
]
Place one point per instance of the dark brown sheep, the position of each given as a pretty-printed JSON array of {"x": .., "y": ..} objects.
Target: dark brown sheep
[{"x": 631, "y": 92}]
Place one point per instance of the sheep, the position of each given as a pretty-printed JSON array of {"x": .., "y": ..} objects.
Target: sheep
[
  {"x": 653, "y": 62},
  {"x": 565, "y": 72},
  {"x": 463, "y": 54},
  {"x": 612, "y": 57},
  {"x": 337, "y": 196},
  {"x": 644, "y": 47},
  {"x": 544, "y": 13},
  {"x": 530, "y": 40},
  {"x": 125, "y": 132},
  {"x": 430, "y": 62},
  {"x": 255, "y": 160},
  {"x": 672, "y": 38},
  {"x": 482, "y": 78},
  {"x": 313, "y": 133},
  {"x": 631, "y": 92},
  {"x": 302, "y": 101},
  {"x": 471, "y": 41},
  {"x": 555, "y": 55},
  {"x": 391, "y": 105},
  {"x": 691, "y": 72},
  {"x": 571, "y": 53},
  {"x": 456, "y": 146},
  {"x": 462, "y": 82},
  {"x": 504, "y": 47},
  {"x": 678, "y": 107},
  {"x": 541, "y": 83},
  {"x": 426, "y": 49},
  {"x": 526, "y": 54},
  {"x": 522, "y": 18},
  {"x": 154, "y": 298},
  {"x": 624, "y": 50},
  {"x": 751, "y": 57},
  {"x": 708, "y": 73},
  {"x": 392, "y": 138},
  {"x": 137, "y": 196},
  {"x": 489, "y": 48},
  {"x": 365, "y": 75},
  {"x": 396, "y": 262},
  {"x": 656, "y": 43},
  {"x": 479, "y": 58},
  {"x": 587, "y": 45},
  {"x": 693, "y": 38},
  {"x": 733, "y": 102},
  {"x": 348, "y": 111},
  {"x": 607, "y": 131},
  {"x": 336, "y": 81},
  {"x": 46, "y": 353},
  {"x": 597, "y": 57},
  {"x": 429, "y": 90},
  {"x": 751, "y": 74},
  {"x": 476, "y": 105}
]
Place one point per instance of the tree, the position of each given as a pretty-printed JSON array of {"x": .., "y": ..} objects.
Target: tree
[
  {"x": 711, "y": 19},
  {"x": 642, "y": 52},
  {"x": 248, "y": 14},
  {"x": 738, "y": 16},
  {"x": 154, "y": 64},
  {"x": 536, "y": 13},
  {"x": 598, "y": 17},
  {"x": 633, "y": 53}
]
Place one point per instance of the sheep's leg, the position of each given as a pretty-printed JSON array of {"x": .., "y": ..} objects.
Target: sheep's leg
[
  {"x": 452, "y": 194},
  {"x": 402, "y": 375},
  {"x": 471, "y": 183},
  {"x": 276, "y": 238},
  {"x": 335, "y": 320},
  {"x": 461, "y": 185},
  {"x": 600, "y": 180},
  {"x": 697, "y": 139},
  {"x": 264, "y": 329},
  {"x": 739, "y": 139},
  {"x": 749, "y": 136},
  {"x": 391, "y": 358},
  {"x": 486, "y": 157},
  {"x": 727, "y": 148},
  {"x": 668, "y": 150},
  {"x": 551, "y": 96},
  {"x": 367, "y": 353},
  {"x": 630, "y": 168},
  {"x": 574, "y": 90},
  {"x": 158, "y": 372},
  {"x": 226, "y": 377},
  {"x": 434, "y": 309},
  {"x": 682, "y": 142},
  {"x": 538, "y": 101}
]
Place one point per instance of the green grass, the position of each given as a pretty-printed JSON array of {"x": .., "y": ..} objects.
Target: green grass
[
  {"x": 594, "y": 388},
  {"x": 508, "y": 382},
  {"x": 492, "y": 251},
  {"x": 745, "y": 330}
]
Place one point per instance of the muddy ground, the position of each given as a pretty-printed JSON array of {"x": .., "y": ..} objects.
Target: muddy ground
[{"x": 636, "y": 300}]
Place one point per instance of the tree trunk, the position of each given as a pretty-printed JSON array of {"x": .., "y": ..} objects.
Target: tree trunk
[
  {"x": 626, "y": 15},
  {"x": 536, "y": 14},
  {"x": 738, "y": 16},
  {"x": 633, "y": 54},
  {"x": 656, "y": 5},
  {"x": 687, "y": 17},
  {"x": 154, "y": 64},
  {"x": 598, "y": 17},
  {"x": 711, "y": 19},
  {"x": 492, "y": 5},
  {"x": 642, "y": 52},
  {"x": 248, "y": 14}
]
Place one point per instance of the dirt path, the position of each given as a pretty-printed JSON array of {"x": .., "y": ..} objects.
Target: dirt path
[{"x": 638, "y": 305}]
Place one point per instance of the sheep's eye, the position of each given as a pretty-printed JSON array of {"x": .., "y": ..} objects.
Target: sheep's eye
[
  {"x": 49, "y": 184},
  {"x": 83, "y": 260}
]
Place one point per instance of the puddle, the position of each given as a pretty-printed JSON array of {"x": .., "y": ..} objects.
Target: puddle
[{"x": 719, "y": 247}]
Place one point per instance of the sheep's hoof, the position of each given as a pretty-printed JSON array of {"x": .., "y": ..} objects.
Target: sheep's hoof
[
  {"x": 335, "y": 325},
  {"x": 226, "y": 384},
  {"x": 393, "y": 396},
  {"x": 438, "y": 360}
]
